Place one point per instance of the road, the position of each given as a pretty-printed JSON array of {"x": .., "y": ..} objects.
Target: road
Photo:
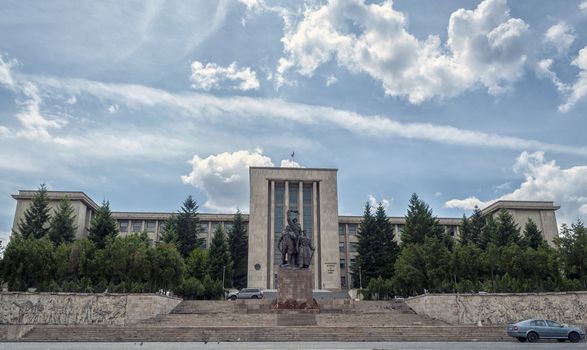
[{"x": 292, "y": 346}]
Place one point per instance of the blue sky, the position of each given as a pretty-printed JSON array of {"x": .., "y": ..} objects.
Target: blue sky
[{"x": 144, "y": 102}]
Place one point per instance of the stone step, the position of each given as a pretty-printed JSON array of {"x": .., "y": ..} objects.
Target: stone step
[{"x": 262, "y": 334}]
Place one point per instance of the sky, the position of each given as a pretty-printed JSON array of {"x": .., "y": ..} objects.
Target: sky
[{"x": 142, "y": 103}]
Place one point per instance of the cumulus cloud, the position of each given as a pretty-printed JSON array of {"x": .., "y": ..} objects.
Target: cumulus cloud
[
  {"x": 561, "y": 36},
  {"x": 224, "y": 177},
  {"x": 578, "y": 91},
  {"x": 583, "y": 6},
  {"x": 543, "y": 70},
  {"x": 212, "y": 76},
  {"x": 485, "y": 46},
  {"x": 113, "y": 109},
  {"x": 374, "y": 203},
  {"x": 544, "y": 180},
  {"x": 290, "y": 163},
  {"x": 330, "y": 80},
  {"x": 5, "y": 73}
]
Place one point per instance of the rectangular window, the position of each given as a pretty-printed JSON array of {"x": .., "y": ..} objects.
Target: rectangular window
[
  {"x": 308, "y": 218},
  {"x": 123, "y": 226},
  {"x": 227, "y": 227},
  {"x": 343, "y": 282},
  {"x": 353, "y": 247},
  {"x": 151, "y": 225},
  {"x": 279, "y": 218},
  {"x": 341, "y": 229},
  {"x": 293, "y": 195},
  {"x": 341, "y": 246},
  {"x": 215, "y": 226},
  {"x": 342, "y": 264},
  {"x": 137, "y": 226},
  {"x": 352, "y": 229},
  {"x": 204, "y": 227},
  {"x": 162, "y": 225}
]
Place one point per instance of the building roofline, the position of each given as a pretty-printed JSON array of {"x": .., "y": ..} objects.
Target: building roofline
[
  {"x": 290, "y": 168},
  {"x": 77, "y": 195},
  {"x": 513, "y": 204}
]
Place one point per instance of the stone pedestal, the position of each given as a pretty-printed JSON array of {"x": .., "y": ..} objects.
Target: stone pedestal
[{"x": 294, "y": 290}]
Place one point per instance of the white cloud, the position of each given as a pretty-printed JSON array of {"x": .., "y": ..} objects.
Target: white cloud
[
  {"x": 561, "y": 36},
  {"x": 544, "y": 181},
  {"x": 330, "y": 80},
  {"x": 113, "y": 109},
  {"x": 374, "y": 203},
  {"x": 578, "y": 91},
  {"x": 583, "y": 6},
  {"x": 289, "y": 163},
  {"x": 543, "y": 70},
  {"x": 245, "y": 108},
  {"x": 485, "y": 46},
  {"x": 6, "y": 74},
  {"x": 224, "y": 177},
  {"x": 211, "y": 76},
  {"x": 72, "y": 100}
]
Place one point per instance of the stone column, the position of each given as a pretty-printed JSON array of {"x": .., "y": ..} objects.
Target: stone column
[
  {"x": 316, "y": 260},
  {"x": 272, "y": 243},
  {"x": 301, "y": 204},
  {"x": 286, "y": 203}
]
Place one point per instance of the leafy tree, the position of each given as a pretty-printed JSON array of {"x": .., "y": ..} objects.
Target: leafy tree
[
  {"x": 36, "y": 216},
  {"x": 167, "y": 267},
  {"x": 532, "y": 236},
  {"x": 420, "y": 223},
  {"x": 28, "y": 263},
  {"x": 239, "y": 251},
  {"x": 219, "y": 264},
  {"x": 62, "y": 226},
  {"x": 82, "y": 262},
  {"x": 103, "y": 226},
  {"x": 197, "y": 263},
  {"x": 468, "y": 267},
  {"x": 507, "y": 230},
  {"x": 125, "y": 260},
  {"x": 572, "y": 248}
]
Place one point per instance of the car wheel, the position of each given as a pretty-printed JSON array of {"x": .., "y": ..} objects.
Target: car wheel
[
  {"x": 532, "y": 337},
  {"x": 561, "y": 340},
  {"x": 574, "y": 337},
  {"x": 255, "y": 297},
  {"x": 521, "y": 339},
  {"x": 233, "y": 297}
]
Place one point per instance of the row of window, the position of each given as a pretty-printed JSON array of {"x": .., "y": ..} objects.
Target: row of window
[
  {"x": 452, "y": 230},
  {"x": 151, "y": 226}
]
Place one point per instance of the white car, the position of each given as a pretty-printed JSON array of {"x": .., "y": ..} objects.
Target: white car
[{"x": 247, "y": 293}]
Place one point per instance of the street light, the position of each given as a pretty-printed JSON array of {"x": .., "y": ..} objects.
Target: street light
[
  {"x": 360, "y": 278},
  {"x": 223, "y": 270}
]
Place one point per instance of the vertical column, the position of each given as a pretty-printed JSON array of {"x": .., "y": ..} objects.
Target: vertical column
[
  {"x": 271, "y": 240},
  {"x": 286, "y": 203},
  {"x": 209, "y": 234},
  {"x": 301, "y": 204},
  {"x": 315, "y": 229}
]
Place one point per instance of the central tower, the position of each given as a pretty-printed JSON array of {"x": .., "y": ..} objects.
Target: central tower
[{"x": 313, "y": 193}]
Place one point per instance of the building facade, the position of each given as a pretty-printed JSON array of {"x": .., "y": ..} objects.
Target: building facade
[{"x": 273, "y": 191}]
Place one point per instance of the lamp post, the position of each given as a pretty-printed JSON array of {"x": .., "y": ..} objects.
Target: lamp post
[
  {"x": 360, "y": 278},
  {"x": 223, "y": 270}
]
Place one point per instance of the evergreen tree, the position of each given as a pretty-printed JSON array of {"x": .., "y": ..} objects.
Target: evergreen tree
[
  {"x": 532, "y": 236},
  {"x": 488, "y": 232},
  {"x": 36, "y": 217},
  {"x": 169, "y": 233},
  {"x": 103, "y": 226},
  {"x": 386, "y": 247},
  {"x": 420, "y": 223},
  {"x": 219, "y": 264},
  {"x": 239, "y": 250},
  {"x": 364, "y": 266},
  {"x": 572, "y": 248},
  {"x": 466, "y": 232},
  {"x": 477, "y": 222},
  {"x": 62, "y": 227},
  {"x": 187, "y": 226},
  {"x": 507, "y": 230}
]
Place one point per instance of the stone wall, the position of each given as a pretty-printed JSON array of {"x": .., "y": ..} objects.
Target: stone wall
[
  {"x": 79, "y": 309},
  {"x": 502, "y": 308}
]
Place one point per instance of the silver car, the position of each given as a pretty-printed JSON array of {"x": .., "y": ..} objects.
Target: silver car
[
  {"x": 247, "y": 293},
  {"x": 534, "y": 329}
]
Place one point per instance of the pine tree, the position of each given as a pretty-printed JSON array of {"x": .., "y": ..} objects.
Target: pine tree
[
  {"x": 36, "y": 217},
  {"x": 386, "y": 247},
  {"x": 238, "y": 245},
  {"x": 420, "y": 223},
  {"x": 488, "y": 232},
  {"x": 103, "y": 226},
  {"x": 532, "y": 236},
  {"x": 365, "y": 261},
  {"x": 477, "y": 222},
  {"x": 62, "y": 227},
  {"x": 219, "y": 264},
  {"x": 507, "y": 230},
  {"x": 466, "y": 232},
  {"x": 169, "y": 234},
  {"x": 187, "y": 226}
]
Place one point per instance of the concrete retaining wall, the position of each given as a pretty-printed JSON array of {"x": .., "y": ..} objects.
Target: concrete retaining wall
[
  {"x": 80, "y": 309},
  {"x": 502, "y": 308}
]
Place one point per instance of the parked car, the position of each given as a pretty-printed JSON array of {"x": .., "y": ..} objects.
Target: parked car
[
  {"x": 247, "y": 293},
  {"x": 534, "y": 329}
]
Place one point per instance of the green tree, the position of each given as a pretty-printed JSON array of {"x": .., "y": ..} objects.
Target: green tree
[
  {"x": 239, "y": 251},
  {"x": 507, "y": 230},
  {"x": 477, "y": 221},
  {"x": 219, "y": 264},
  {"x": 420, "y": 223},
  {"x": 169, "y": 234},
  {"x": 125, "y": 260},
  {"x": 572, "y": 248},
  {"x": 28, "y": 263},
  {"x": 466, "y": 232},
  {"x": 36, "y": 216},
  {"x": 62, "y": 226},
  {"x": 468, "y": 267},
  {"x": 187, "y": 226},
  {"x": 197, "y": 264},
  {"x": 488, "y": 232},
  {"x": 103, "y": 227},
  {"x": 82, "y": 262},
  {"x": 167, "y": 267},
  {"x": 364, "y": 267},
  {"x": 532, "y": 236}
]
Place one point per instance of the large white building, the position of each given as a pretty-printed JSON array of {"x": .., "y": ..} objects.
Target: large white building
[{"x": 313, "y": 193}]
